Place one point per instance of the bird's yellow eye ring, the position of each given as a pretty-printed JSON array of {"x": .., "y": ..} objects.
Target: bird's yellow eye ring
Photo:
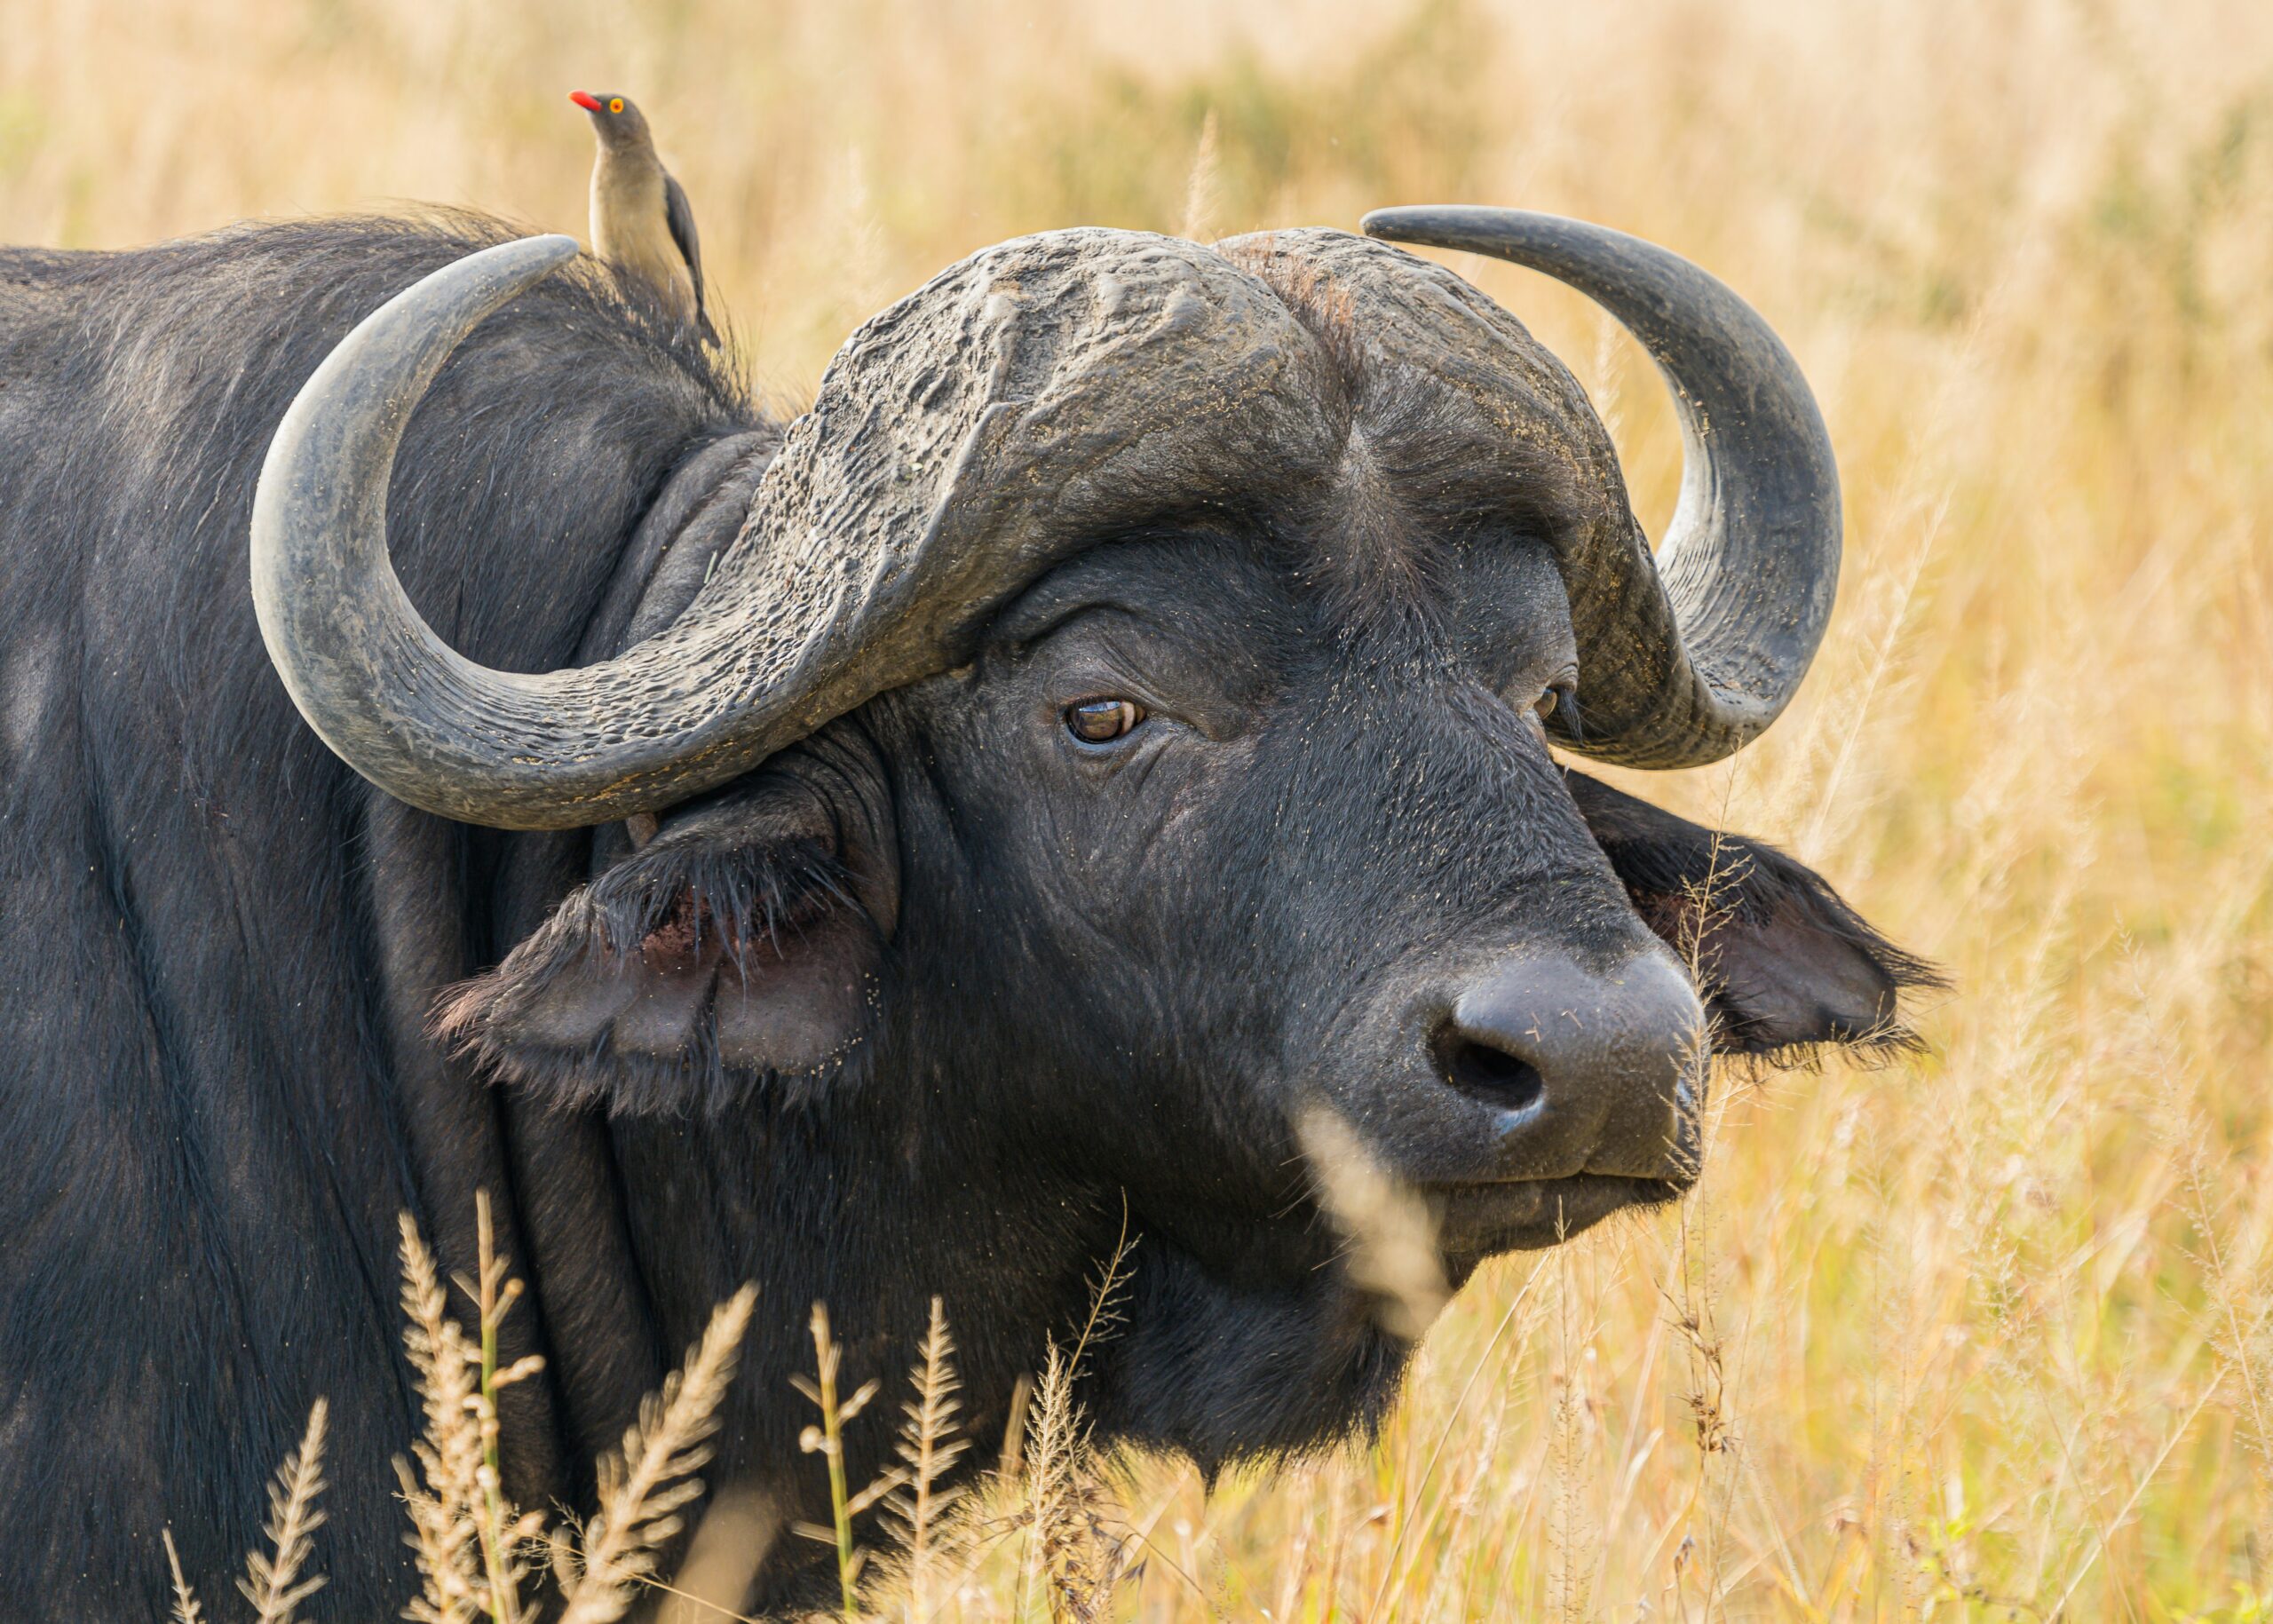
[{"x": 615, "y": 104}]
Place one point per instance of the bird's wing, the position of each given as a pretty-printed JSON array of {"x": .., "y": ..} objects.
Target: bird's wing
[{"x": 680, "y": 213}]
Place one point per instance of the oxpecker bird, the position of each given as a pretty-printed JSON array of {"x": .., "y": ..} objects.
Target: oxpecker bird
[{"x": 641, "y": 222}]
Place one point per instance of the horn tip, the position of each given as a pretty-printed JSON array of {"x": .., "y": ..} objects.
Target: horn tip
[
  {"x": 1387, "y": 224},
  {"x": 550, "y": 247},
  {"x": 1470, "y": 226}
]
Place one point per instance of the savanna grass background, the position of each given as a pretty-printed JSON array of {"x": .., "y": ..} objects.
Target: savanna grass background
[{"x": 1980, "y": 1333}]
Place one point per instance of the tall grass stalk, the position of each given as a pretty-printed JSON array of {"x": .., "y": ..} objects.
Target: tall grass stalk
[
  {"x": 827, "y": 1441},
  {"x": 277, "y": 1581},
  {"x": 928, "y": 1447},
  {"x": 648, "y": 1484}
]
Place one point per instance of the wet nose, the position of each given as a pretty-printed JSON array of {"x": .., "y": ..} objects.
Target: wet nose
[{"x": 1593, "y": 1072}]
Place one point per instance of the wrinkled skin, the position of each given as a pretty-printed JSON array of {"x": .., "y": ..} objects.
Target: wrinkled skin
[
  {"x": 1079, "y": 956},
  {"x": 940, "y": 1001},
  {"x": 1362, "y": 811}
]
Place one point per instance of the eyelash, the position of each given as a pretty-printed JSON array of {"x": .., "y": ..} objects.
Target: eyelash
[{"x": 1560, "y": 697}]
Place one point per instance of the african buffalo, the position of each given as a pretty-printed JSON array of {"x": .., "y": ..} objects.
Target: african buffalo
[{"x": 1113, "y": 721}]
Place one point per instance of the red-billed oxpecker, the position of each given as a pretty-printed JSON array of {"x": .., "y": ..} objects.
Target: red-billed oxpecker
[{"x": 642, "y": 223}]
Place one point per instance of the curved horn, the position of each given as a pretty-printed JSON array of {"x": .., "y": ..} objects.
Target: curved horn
[
  {"x": 389, "y": 696},
  {"x": 963, "y": 443},
  {"x": 1750, "y": 565}
]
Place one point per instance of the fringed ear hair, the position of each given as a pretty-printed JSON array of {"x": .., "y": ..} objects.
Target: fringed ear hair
[
  {"x": 1783, "y": 963},
  {"x": 730, "y": 952}
]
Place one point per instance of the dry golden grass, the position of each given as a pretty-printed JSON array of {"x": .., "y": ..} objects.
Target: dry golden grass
[
  {"x": 477, "y": 1553},
  {"x": 1982, "y": 1333}
]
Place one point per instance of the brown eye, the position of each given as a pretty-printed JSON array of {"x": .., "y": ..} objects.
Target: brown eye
[
  {"x": 1559, "y": 701},
  {"x": 1101, "y": 721}
]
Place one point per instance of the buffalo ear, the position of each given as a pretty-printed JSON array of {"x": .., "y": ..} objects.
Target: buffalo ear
[
  {"x": 738, "y": 947},
  {"x": 1782, "y": 963}
]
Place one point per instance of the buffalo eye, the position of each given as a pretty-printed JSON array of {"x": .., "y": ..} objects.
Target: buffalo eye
[
  {"x": 1101, "y": 721},
  {"x": 1559, "y": 699}
]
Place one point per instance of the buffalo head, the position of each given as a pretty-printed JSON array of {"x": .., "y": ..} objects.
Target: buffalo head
[{"x": 1119, "y": 727}]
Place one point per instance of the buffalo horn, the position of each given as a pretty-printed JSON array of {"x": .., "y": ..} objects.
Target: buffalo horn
[
  {"x": 961, "y": 444},
  {"x": 1750, "y": 565},
  {"x": 668, "y": 718}
]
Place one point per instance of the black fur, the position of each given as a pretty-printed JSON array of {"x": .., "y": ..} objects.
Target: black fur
[
  {"x": 217, "y": 949},
  {"x": 1056, "y": 992}
]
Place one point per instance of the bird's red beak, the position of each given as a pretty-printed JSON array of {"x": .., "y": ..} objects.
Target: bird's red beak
[{"x": 585, "y": 100}]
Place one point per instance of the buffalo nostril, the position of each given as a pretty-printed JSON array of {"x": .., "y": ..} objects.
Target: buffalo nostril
[
  {"x": 1584, "y": 1068},
  {"x": 1492, "y": 1074}
]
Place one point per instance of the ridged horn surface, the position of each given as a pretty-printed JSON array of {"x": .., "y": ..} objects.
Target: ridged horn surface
[
  {"x": 1714, "y": 642},
  {"x": 963, "y": 443}
]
